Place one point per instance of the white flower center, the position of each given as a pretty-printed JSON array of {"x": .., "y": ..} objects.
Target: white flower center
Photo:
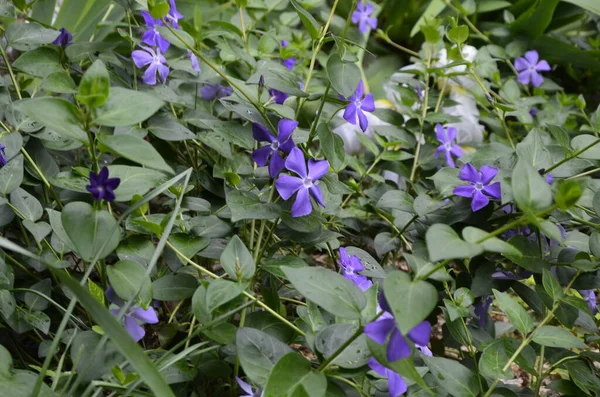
[
  {"x": 275, "y": 146},
  {"x": 448, "y": 146},
  {"x": 478, "y": 186},
  {"x": 156, "y": 60},
  {"x": 308, "y": 183}
]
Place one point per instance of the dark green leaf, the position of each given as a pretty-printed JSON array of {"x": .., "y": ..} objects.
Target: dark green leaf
[
  {"x": 453, "y": 377},
  {"x": 293, "y": 376},
  {"x": 557, "y": 337},
  {"x": 174, "y": 287},
  {"x": 238, "y": 261},
  {"x": 517, "y": 315},
  {"x": 444, "y": 243},
  {"x": 135, "y": 149},
  {"x": 94, "y": 87},
  {"x": 126, "y": 107},
  {"x": 258, "y": 353}
]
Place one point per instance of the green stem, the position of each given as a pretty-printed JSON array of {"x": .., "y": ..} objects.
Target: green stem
[
  {"x": 10, "y": 71},
  {"x": 363, "y": 176},
  {"x": 382, "y": 35},
  {"x": 468, "y": 22},
  {"x": 423, "y": 114},
  {"x": 313, "y": 127},
  {"x": 572, "y": 156}
]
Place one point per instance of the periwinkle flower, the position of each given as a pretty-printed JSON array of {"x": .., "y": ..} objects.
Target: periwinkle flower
[
  {"x": 282, "y": 143},
  {"x": 131, "y": 317},
  {"x": 533, "y": 112},
  {"x": 101, "y": 186},
  {"x": 64, "y": 38},
  {"x": 351, "y": 265},
  {"x": 362, "y": 17},
  {"x": 446, "y": 137},
  {"x": 481, "y": 310},
  {"x": 194, "y": 60},
  {"x": 359, "y": 103},
  {"x": 396, "y": 385},
  {"x": 215, "y": 91},
  {"x": 288, "y": 62},
  {"x": 549, "y": 179},
  {"x": 248, "y": 389},
  {"x": 529, "y": 68},
  {"x": 173, "y": 16},
  {"x": 155, "y": 61},
  {"x": 152, "y": 36},
  {"x": 398, "y": 348},
  {"x": 589, "y": 296},
  {"x": 305, "y": 184},
  {"x": 278, "y": 96},
  {"x": 3, "y": 159},
  {"x": 480, "y": 187}
]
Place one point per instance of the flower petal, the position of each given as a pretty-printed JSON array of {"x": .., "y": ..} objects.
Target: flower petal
[
  {"x": 451, "y": 133},
  {"x": 245, "y": 387},
  {"x": 285, "y": 129},
  {"x": 295, "y": 162},
  {"x": 440, "y": 133},
  {"x": 521, "y": 64},
  {"x": 315, "y": 191},
  {"x": 469, "y": 173},
  {"x": 464, "y": 191},
  {"x": 536, "y": 79},
  {"x": 317, "y": 169},
  {"x": 398, "y": 348},
  {"x": 112, "y": 297},
  {"x": 524, "y": 77},
  {"x": 380, "y": 329},
  {"x": 362, "y": 120},
  {"x": 148, "y": 316},
  {"x": 487, "y": 174},
  {"x": 287, "y": 185},
  {"x": 532, "y": 57},
  {"x": 368, "y": 104},
  {"x": 141, "y": 58},
  {"x": 261, "y": 155},
  {"x": 135, "y": 330},
  {"x": 163, "y": 70},
  {"x": 479, "y": 201},
  {"x": 350, "y": 113},
  {"x": 276, "y": 165},
  {"x": 421, "y": 333},
  {"x": 163, "y": 44},
  {"x": 396, "y": 385},
  {"x": 360, "y": 90},
  {"x": 457, "y": 151},
  {"x": 377, "y": 367},
  {"x": 543, "y": 66},
  {"x": 261, "y": 134},
  {"x": 449, "y": 160},
  {"x": 148, "y": 19},
  {"x": 302, "y": 206},
  {"x": 150, "y": 75},
  {"x": 493, "y": 190}
]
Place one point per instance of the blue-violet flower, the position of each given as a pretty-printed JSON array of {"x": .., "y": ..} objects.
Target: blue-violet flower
[
  {"x": 173, "y": 16},
  {"x": 529, "y": 68},
  {"x": 359, "y": 103},
  {"x": 481, "y": 310},
  {"x": 101, "y": 186},
  {"x": 215, "y": 91},
  {"x": 446, "y": 137},
  {"x": 156, "y": 63},
  {"x": 282, "y": 143},
  {"x": 288, "y": 62},
  {"x": 479, "y": 188},
  {"x": 362, "y": 17},
  {"x": 3, "y": 159},
  {"x": 590, "y": 298},
  {"x": 64, "y": 38},
  {"x": 396, "y": 385},
  {"x": 152, "y": 36},
  {"x": 194, "y": 60},
  {"x": 130, "y": 318},
  {"x": 351, "y": 265}
]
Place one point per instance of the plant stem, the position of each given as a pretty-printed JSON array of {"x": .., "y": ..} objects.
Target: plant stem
[
  {"x": 10, "y": 71},
  {"x": 386, "y": 38},
  {"x": 572, "y": 156},
  {"x": 423, "y": 113}
]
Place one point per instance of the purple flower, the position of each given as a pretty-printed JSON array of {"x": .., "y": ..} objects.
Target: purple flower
[
  {"x": 248, "y": 389},
  {"x": 549, "y": 179},
  {"x": 194, "y": 60},
  {"x": 215, "y": 91},
  {"x": 101, "y": 186},
  {"x": 529, "y": 68},
  {"x": 129, "y": 319},
  {"x": 152, "y": 36},
  {"x": 288, "y": 62},
  {"x": 357, "y": 105},
  {"x": 362, "y": 17},
  {"x": 481, "y": 310},
  {"x": 278, "y": 96},
  {"x": 351, "y": 265},
  {"x": 533, "y": 112},
  {"x": 398, "y": 348},
  {"x": 480, "y": 187},
  {"x": 519, "y": 274},
  {"x": 396, "y": 385},
  {"x": 173, "y": 16},
  {"x": 283, "y": 142},
  {"x": 156, "y": 62},
  {"x": 305, "y": 185},
  {"x": 64, "y": 38},
  {"x": 590, "y": 298},
  {"x": 446, "y": 136},
  {"x": 3, "y": 159}
]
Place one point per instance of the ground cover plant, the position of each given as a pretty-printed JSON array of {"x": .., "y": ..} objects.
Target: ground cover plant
[{"x": 299, "y": 198}]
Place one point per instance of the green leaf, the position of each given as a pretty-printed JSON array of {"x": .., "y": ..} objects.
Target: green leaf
[
  {"x": 25, "y": 36},
  {"x": 158, "y": 8},
  {"x": 552, "y": 286},
  {"x": 517, "y": 315},
  {"x": 344, "y": 76},
  {"x": 590, "y": 5},
  {"x": 135, "y": 149},
  {"x": 372, "y": 267},
  {"x": 127, "y": 107},
  {"x": 26, "y": 204},
  {"x": 582, "y": 141},
  {"x": 293, "y": 376},
  {"x": 188, "y": 245},
  {"x": 557, "y": 337},
  {"x": 420, "y": 267},
  {"x": 238, "y": 261},
  {"x": 11, "y": 175},
  {"x": 246, "y": 205},
  {"x": 135, "y": 355},
  {"x": 182, "y": 40},
  {"x": 174, "y": 287},
  {"x": 167, "y": 129},
  {"x": 534, "y": 150},
  {"x": 536, "y": 19},
  {"x": 59, "y": 82},
  {"x": 396, "y": 200},
  {"x": 89, "y": 230},
  {"x": 434, "y": 8},
  {"x": 258, "y": 353},
  {"x": 35, "y": 301},
  {"x": 331, "y": 338},
  {"x": 221, "y": 291},
  {"x": 493, "y": 244},
  {"x": 331, "y": 291},
  {"x": 444, "y": 243},
  {"x": 127, "y": 278},
  {"x": 411, "y": 302},
  {"x": 40, "y": 62},
  {"x": 94, "y": 86},
  {"x": 134, "y": 180},
  {"x": 309, "y": 22},
  {"x": 530, "y": 190},
  {"x": 453, "y": 377},
  {"x": 458, "y": 34},
  {"x": 58, "y": 114},
  {"x": 332, "y": 146},
  {"x": 492, "y": 361}
]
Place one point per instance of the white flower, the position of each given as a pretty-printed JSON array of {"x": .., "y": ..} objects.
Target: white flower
[
  {"x": 347, "y": 131},
  {"x": 468, "y": 129}
]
